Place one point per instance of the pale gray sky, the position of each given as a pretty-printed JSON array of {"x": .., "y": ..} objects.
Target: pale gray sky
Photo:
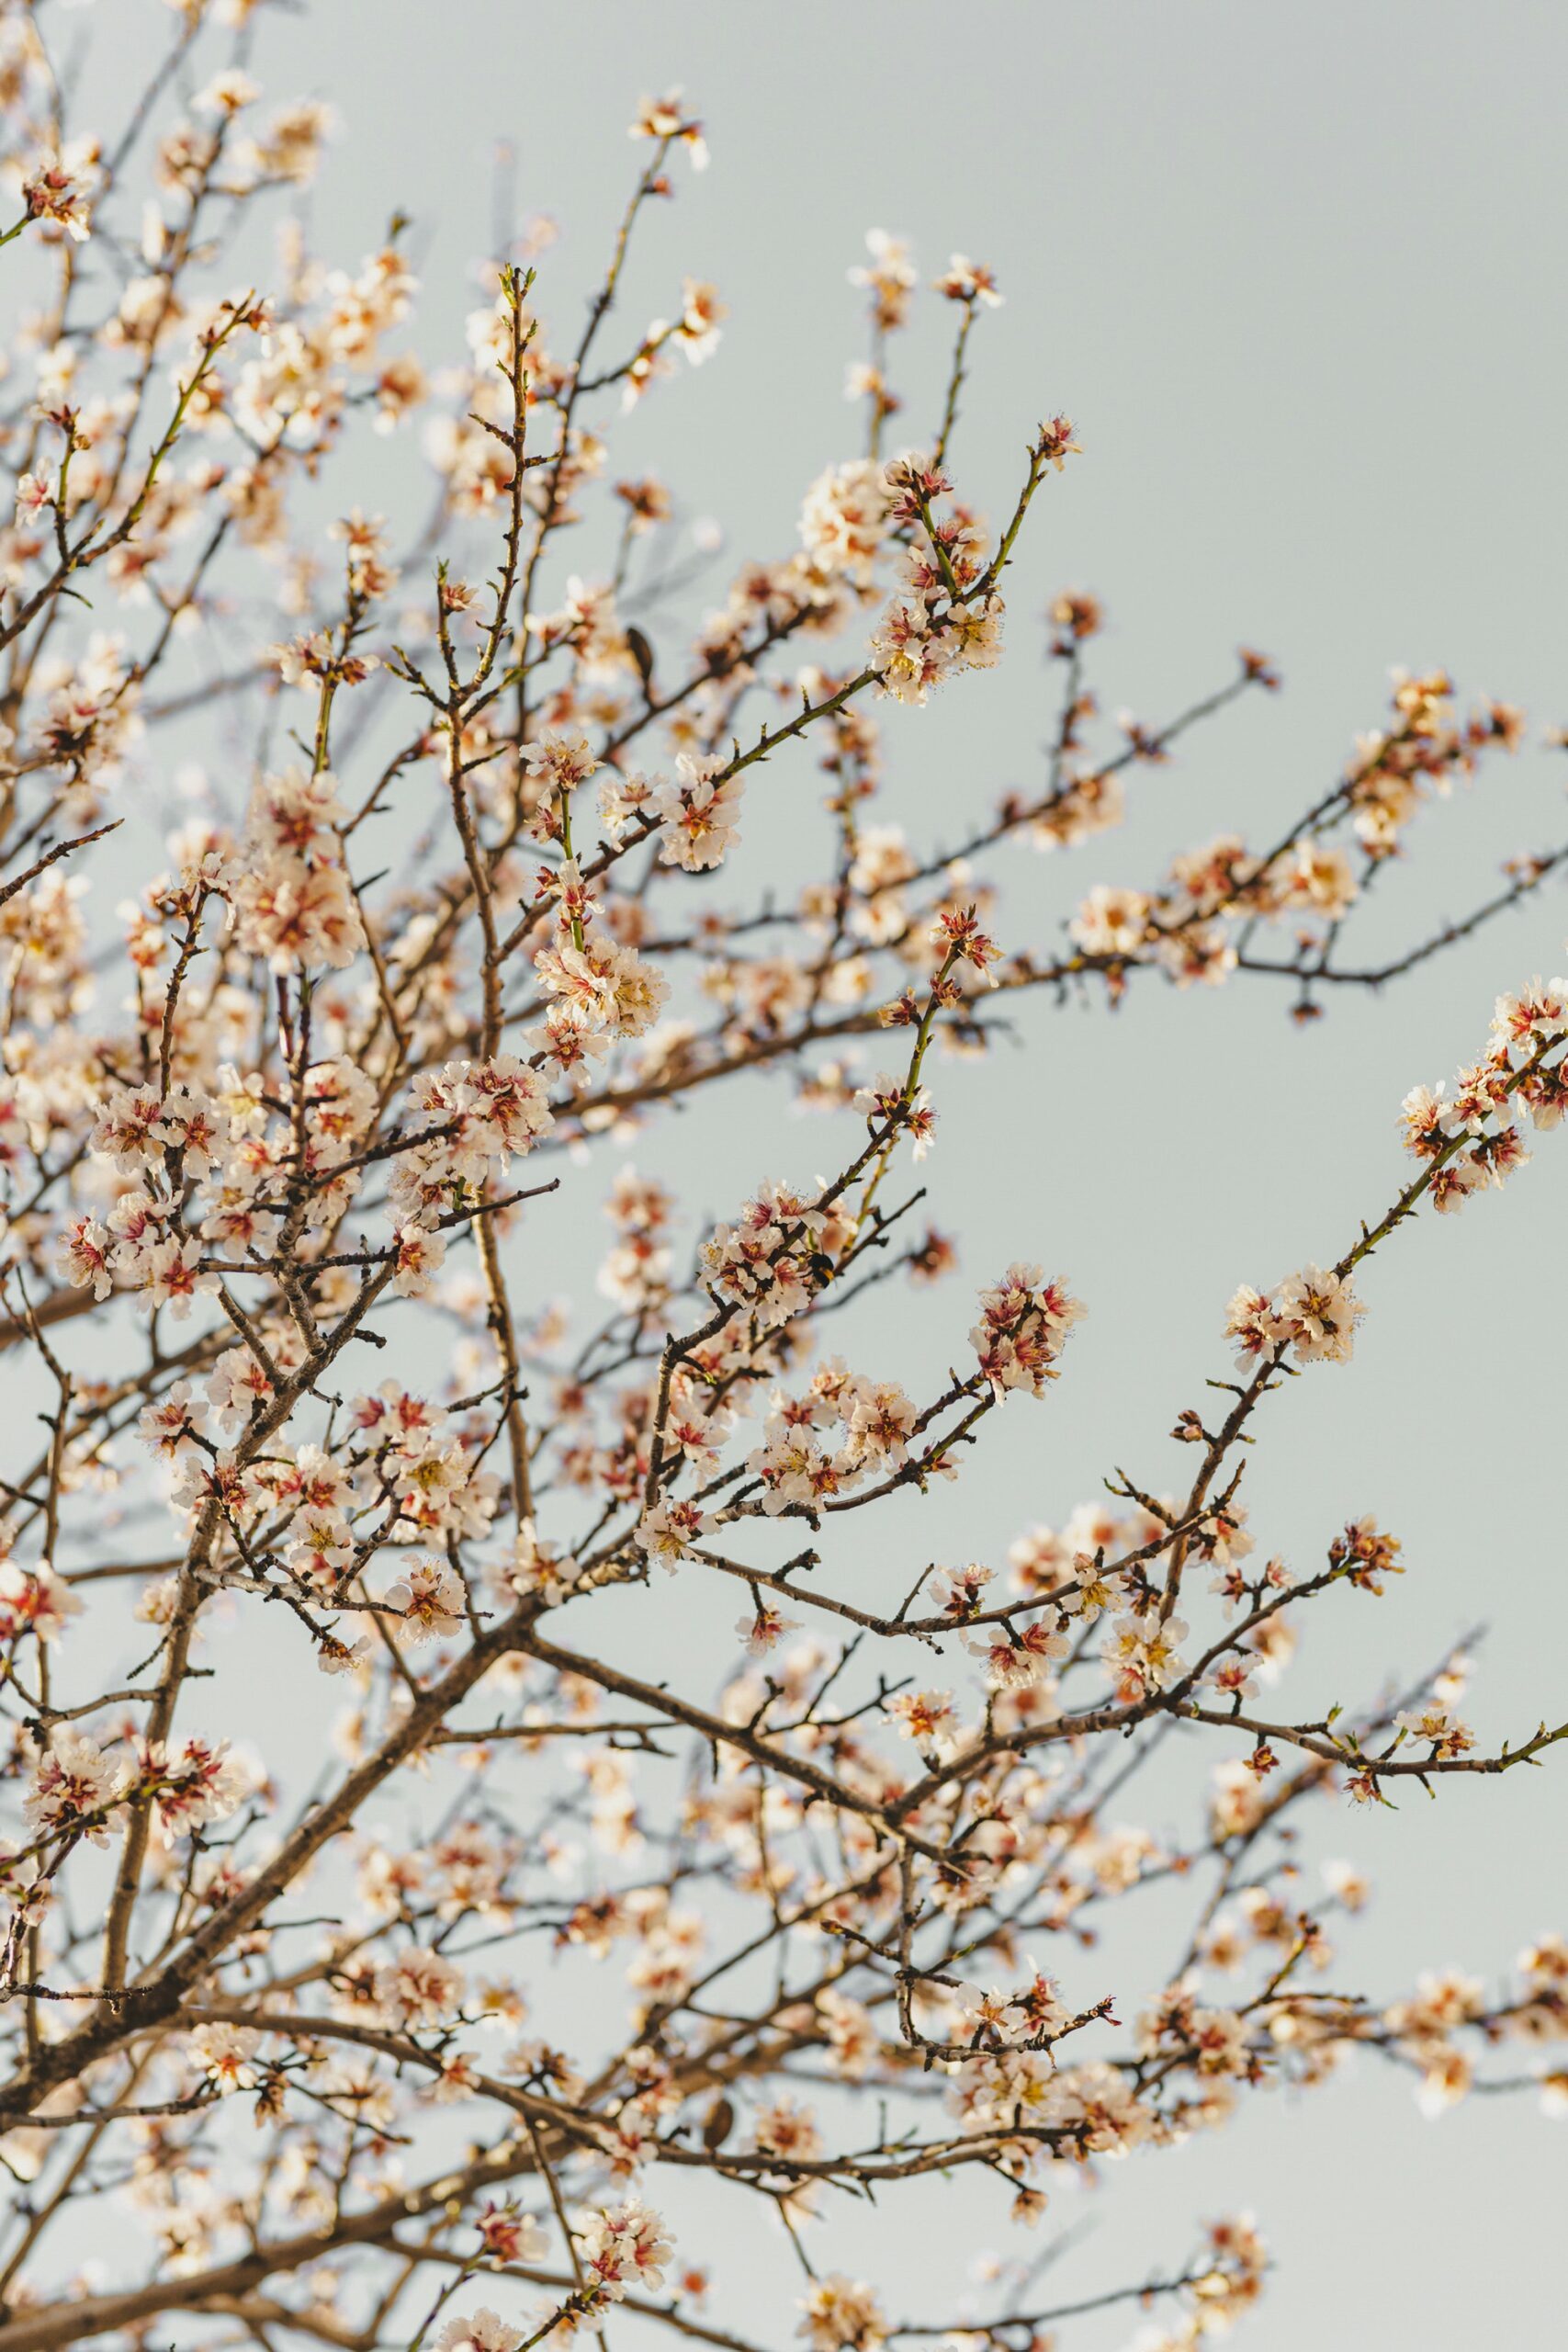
[{"x": 1297, "y": 274}]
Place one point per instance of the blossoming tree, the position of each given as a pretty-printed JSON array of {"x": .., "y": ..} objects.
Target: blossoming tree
[{"x": 281, "y": 1144}]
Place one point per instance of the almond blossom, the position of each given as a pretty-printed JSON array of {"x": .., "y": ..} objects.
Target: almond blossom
[{"x": 476, "y": 952}]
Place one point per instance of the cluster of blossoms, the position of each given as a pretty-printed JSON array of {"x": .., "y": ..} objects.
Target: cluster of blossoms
[
  {"x": 877, "y": 1421},
  {"x": 1199, "y": 923},
  {"x": 1470, "y": 1139},
  {"x": 313, "y": 1379},
  {"x": 1312, "y": 1313},
  {"x": 80, "y": 1790},
  {"x": 293, "y": 902},
  {"x": 946, "y": 616},
  {"x": 1024, "y": 1322}
]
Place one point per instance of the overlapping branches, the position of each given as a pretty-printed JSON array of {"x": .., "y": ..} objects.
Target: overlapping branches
[{"x": 284, "y": 1292}]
